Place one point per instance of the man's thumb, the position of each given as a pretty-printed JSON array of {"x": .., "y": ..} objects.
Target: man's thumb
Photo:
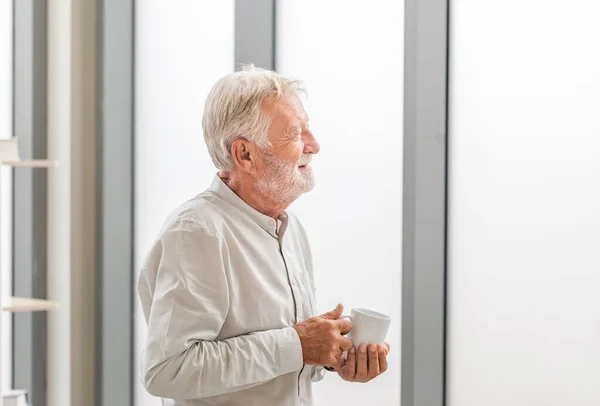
[{"x": 335, "y": 313}]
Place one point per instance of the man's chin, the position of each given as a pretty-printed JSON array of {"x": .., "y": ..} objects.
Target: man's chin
[
  {"x": 310, "y": 187},
  {"x": 308, "y": 184},
  {"x": 293, "y": 196}
]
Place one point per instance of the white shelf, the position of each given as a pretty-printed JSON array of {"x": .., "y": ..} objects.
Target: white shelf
[
  {"x": 38, "y": 163},
  {"x": 23, "y": 304},
  {"x": 9, "y": 155}
]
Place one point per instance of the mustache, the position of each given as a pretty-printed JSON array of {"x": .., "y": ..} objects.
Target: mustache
[{"x": 305, "y": 159}]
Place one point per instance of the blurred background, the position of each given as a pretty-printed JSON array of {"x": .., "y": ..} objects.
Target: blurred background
[{"x": 458, "y": 184}]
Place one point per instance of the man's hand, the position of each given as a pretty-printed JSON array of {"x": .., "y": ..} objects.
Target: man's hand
[
  {"x": 369, "y": 363},
  {"x": 322, "y": 338}
]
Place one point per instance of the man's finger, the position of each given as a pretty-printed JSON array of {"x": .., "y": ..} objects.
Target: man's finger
[
  {"x": 373, "y": 361},
  {"x": 335, "y": 313},
  {"x": 387, "y": 348},
  {"x": 340, "y": 364},
  {"x": 345, "y": 344},
  {"x": 361, "y": 363},
  {"x": 351, "y": 363},
  {"x": 383, "y": 365},
  {"x": 345, "y": 326}
]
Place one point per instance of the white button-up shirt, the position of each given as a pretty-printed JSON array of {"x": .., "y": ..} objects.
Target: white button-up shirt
[{"x": 221, "y": 288}]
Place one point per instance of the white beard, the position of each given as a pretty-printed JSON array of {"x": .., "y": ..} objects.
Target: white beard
[{"x": 285, "y": 182}]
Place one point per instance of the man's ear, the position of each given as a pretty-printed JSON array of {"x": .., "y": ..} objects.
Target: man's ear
[{"x": 244, "y": 155}]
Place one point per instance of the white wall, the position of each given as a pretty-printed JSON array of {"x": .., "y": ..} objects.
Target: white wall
[
  {"x": 6, "y": 27},
  {"x": 350, "y": 56},
  {"x": 524, "y": 257},
  {"x": 181, "y": 50}
]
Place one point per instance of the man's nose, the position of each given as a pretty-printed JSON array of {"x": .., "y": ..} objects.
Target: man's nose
[{"x": 311, "y": 146}]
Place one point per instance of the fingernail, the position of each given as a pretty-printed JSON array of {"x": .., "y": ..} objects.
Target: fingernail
[
  {"x": 363, "y": 349},
  {"x": 373, "y": 349},
  {"x": 352, "y": 350}
]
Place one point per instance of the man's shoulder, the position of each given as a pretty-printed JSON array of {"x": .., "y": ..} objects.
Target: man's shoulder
[{"x": 204, "y": 211}]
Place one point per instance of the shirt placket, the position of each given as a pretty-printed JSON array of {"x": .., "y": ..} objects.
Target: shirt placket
[{"x": 295, "y": 283}]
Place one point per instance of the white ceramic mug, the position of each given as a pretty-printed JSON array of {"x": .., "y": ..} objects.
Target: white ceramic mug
[{"x": 368, "y": 327}]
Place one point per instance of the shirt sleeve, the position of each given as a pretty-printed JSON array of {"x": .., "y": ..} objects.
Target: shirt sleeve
[
  {"x": 184, "y": 292},
  {"x": 318, "y": 374}
]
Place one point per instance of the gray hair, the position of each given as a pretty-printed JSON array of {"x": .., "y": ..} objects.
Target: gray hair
[{"x": 233, "y": 110}]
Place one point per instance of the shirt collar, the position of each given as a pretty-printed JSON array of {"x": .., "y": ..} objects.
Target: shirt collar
[{"x": 267, "y": 223}]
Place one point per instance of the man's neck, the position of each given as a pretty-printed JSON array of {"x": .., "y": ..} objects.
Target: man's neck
[{"x": 246, "y": 191}]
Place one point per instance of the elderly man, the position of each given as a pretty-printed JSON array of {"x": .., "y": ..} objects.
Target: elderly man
[{"x": 227, "y": 288}]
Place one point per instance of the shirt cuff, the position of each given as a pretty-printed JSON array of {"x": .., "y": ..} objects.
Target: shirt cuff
[
  {"x": 290, "y": 350},
  {"x": 319, "y": 373}
]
